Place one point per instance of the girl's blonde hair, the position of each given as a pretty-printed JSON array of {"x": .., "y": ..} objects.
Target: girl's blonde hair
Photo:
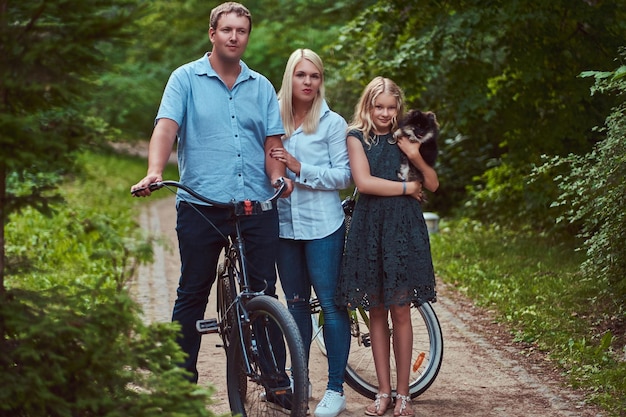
[
  {"x": 362, "y": 119},
  {"x": 312, "y": 119}
]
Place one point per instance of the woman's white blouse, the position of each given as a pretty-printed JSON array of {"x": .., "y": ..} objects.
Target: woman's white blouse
[{"x": 313, "y": 210}]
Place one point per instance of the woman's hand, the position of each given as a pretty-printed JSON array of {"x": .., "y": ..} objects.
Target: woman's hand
[{"x": 281, "y": 154}]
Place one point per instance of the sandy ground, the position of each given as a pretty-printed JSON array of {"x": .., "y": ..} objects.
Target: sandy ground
[{"x": 484, "y": 373}]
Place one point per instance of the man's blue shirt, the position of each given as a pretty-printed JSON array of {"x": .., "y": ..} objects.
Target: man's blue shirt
[{"x": 222, "y": 132}]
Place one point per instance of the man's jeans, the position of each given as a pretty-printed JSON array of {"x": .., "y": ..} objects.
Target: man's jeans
[{"x": 200, "y": 246}]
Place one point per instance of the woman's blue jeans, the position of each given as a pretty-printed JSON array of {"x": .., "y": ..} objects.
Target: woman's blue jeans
[{"x": 317, "y": 263}]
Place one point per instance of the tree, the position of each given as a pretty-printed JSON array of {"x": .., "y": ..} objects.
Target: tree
[
  {"x": 502, "y": 78},
  {"x": 49, "y": 54}
]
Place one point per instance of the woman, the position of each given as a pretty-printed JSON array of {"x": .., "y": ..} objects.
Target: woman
[
  {"x": 387, "y": 264},
  {"x": 311, "y": 219}
]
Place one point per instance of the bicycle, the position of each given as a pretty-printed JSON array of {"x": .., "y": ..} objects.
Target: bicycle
[
  {"x": 360, "y": 373},
  {"x": 257, "y": 370}
]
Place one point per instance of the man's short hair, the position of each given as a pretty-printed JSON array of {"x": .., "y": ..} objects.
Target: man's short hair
[{"x": 229, "y": 7}]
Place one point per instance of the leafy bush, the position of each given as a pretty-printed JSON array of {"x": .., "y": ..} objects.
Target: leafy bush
[
  {"x": 88, "y": 354},
  {"x": 503, "y": 195},
  {"x": 72, "y": 341},
  {"x": 593, "y": 191}
]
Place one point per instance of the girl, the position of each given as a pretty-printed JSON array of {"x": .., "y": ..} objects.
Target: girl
[
  {"x": 312, "y": 230},
  {"x": 387, "y": 265}
]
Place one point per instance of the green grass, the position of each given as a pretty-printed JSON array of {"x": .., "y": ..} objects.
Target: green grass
[
  {"x": 535, "y": 285},
  {"x": 96, "y": 226}
]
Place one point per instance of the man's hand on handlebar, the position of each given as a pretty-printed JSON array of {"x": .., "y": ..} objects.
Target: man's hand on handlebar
[
  {"x": 277, "y": 182},
  {"x": 142, "y": 188}
]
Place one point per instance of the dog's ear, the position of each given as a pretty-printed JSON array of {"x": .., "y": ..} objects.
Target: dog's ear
[{"x": 432, "y": 118}]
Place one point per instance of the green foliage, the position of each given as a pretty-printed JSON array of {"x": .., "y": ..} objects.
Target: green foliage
[
  {"x": 88, "y": 354},
  {"x": 73, "y": 340},
  {"x": 506, "y": 186},
  {"x": 49, "y": 52},
  {"x": 502, "y": 79},
  {"x": 168, "y": 35},
  {"x": 593, "y": 190},
  {"x": 534, "y": 284},
  {"x": 87, "y": 239}
]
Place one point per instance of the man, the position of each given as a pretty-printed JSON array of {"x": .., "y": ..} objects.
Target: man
[{"x": 226, "y": 118}]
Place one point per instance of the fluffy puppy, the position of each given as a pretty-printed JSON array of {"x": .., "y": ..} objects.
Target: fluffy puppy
[{"x": 420, "y": 127}]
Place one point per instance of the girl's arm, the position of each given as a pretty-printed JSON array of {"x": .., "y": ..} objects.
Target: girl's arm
[{"x": 369, "y": 184}]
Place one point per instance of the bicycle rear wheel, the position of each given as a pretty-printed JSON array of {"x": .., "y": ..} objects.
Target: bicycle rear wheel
[
  {"x": 426, "y": 358},
  {"x": 268, "y": 352}
]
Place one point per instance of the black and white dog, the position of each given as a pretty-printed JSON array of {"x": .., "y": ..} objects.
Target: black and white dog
[{"x": 420, "y": 127}]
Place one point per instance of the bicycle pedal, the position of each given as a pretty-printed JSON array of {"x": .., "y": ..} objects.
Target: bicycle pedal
[{"x": 207, "y": 326}]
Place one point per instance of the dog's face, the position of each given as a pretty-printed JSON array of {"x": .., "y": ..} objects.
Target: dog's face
[{"x": 418, "y": 126}]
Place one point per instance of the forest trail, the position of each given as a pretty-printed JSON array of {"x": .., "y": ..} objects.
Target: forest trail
[{"x": 484, "y": 373}]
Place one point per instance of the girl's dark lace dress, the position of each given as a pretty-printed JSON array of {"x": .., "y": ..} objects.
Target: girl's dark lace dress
[{"x": 387, "y": 260}]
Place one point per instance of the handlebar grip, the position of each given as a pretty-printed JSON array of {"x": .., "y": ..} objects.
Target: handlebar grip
[{"x": 152, "y": 187}]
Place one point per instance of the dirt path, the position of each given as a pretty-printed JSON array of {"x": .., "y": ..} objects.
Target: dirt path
[{"x": 483, "y": 373}]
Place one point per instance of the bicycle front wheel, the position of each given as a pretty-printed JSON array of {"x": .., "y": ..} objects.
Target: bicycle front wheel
[
  {"x": 267, "y": 373},
  {"x": 426, "y": 357}
]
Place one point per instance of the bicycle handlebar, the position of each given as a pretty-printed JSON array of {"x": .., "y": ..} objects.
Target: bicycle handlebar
[{"x": 240, "y": 208}]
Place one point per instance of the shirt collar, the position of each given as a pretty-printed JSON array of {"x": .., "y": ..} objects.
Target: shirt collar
[
  {"x": 203, "y": 67},
  {"x": 324, "y": 110}
]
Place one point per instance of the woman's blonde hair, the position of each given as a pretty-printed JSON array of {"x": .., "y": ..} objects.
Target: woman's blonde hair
[
  {"x": 285, "y": 95},
  {"x": 362, "y": 119}
]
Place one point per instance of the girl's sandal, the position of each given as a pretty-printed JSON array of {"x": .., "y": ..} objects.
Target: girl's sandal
[
  {"x": 405, "y": 406},
  {"x": 377, "y": 409}
]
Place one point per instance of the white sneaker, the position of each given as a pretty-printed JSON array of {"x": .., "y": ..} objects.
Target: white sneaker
[{"x": 331, "y": 405}]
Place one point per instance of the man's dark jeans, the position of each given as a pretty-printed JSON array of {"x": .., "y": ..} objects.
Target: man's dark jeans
[{"x": 200, "y": 246}]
